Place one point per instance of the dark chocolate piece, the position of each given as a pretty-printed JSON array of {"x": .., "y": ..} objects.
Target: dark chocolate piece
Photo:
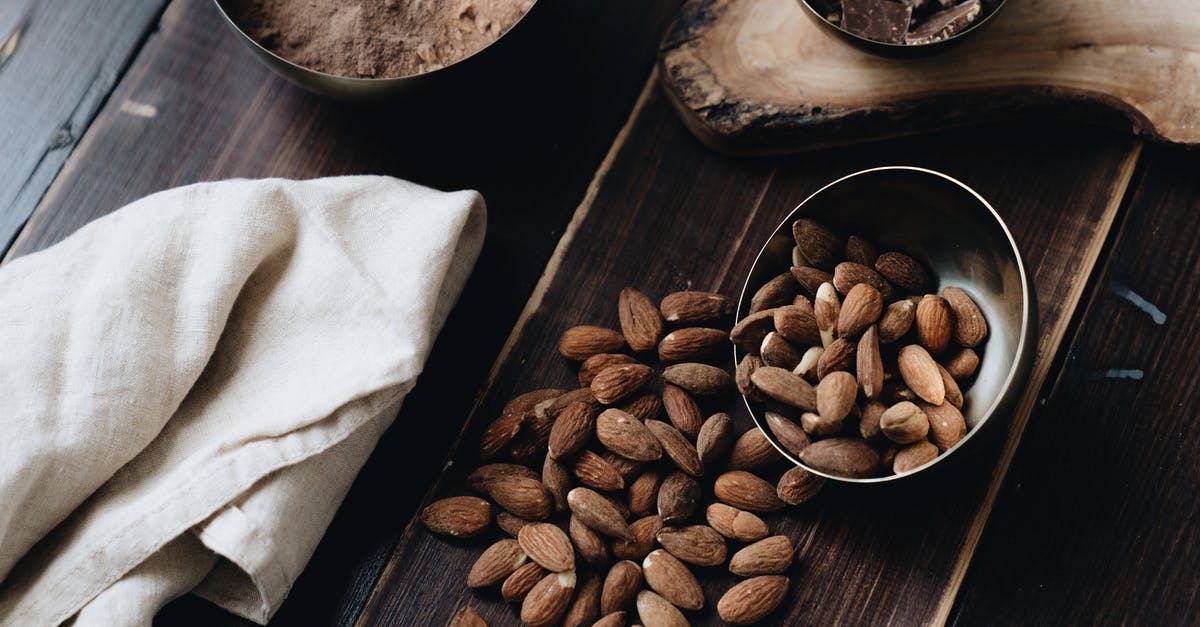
[
  {"x": 944, "y": 24},
  {"x": 879, "y": 20}
]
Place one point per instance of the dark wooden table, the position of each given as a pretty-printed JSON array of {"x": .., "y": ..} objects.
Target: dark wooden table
[{"x": 1083, "y": 508}]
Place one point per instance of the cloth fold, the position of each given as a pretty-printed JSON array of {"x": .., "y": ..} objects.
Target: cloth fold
[{"x": 189, "y": 385}]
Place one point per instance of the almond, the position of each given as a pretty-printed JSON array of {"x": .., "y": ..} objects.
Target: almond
[
  {"x": 521, "y": 582},
  {"x": 861, "y": 309},
  {"x": 819, "y": 426},
  {"x": 836, "y": 357},
  {"x": 656, "y": 611},
  {"x": 790, "y": 435},
  {"x": 778, "y": 291},
  {"x": 458, "y": 516},
  {"x": 887, "y": 456},
  {"x": 590, "y": 546},
  {"x": 676, "y": 447},
  {"x": 533, "y": 438},
  {"x": 746, "y": 491},
  {"x": 678, "y": 497},
  {"x": 914, "y": 456},
  {"x": 693, "y": 307},
  {"x": 644, "y": 406},
  {"x": 946, "y": 425},
  {"x": 921, "y": 374},
  {"x": 572, "y": 430},
  {"x": 594, "y": 364},
  {"x": 861, "y": 251},
  {"x": 558, "y": 481},
  {"x": 547, "y": 545},
  {"x": 643, "y": 492},
  {"x": 692, "y": 344},
  {"x": 752, "y": 451},
  {"x": 868, "y": 424},
  {"x": 479, "y": 479},
  {"x": 954, "y": 394},
  {"x": 826, "y": 309},
  {"x": 810, "y": 278},
  {"x": 615, "y": 619},
  {"x": 627, "y": 436},
  {"x": 510, "y": 524},
  {"x": 467, "y": 616},
  {"x": 869, "y": 368},
  {"x": 849, "y": 274},
  {"x": 524, "y": 497},
  {"x": 715, "y": 438},
  {"x": 797, "y": 324},
  {"x": 742, "y": 374},
  {"x": 904, "y": 423},
  {"x": 682, "y": 410},
  {"x": 844, "y": 457},
  {"x": 579, "y": 343},
  {"x": 736, "y": 524},
  {"x": 809, "y": 362},
  {"x": 699, "y": 545},
  {"x": 769, "y": 556},
  {"x": 621, "y": 585},
  {"x": 496, "y": 563},
  {"x": 596, "y": 473},
  {"x": 962, "y": 365},
  {"x": 701, "y": 379},
  {"x": 897, "y": 319},
  {"x": 672, "y": 580},
  {"x": 641, "y": 542},
  {"x": 785, "y": 387},
  {"x": 749, "y": 332},
  {"x": 835, "y": 396},
  {"x": 817, "y": 242},
  {"x": 798, "y": 486},
  {"x": 581, "y": 395},
  {"x": 547, "y": 601},
  {"x": 641, "y": 323},
  {"x": 615, "y": 383},
  {"x": 499, "y": 435},
  {"x": 904, "y": 271},
  {"x": 970, "y": 327},
  {"x": 776, "y": 351},
  {"x": 585, "y": 609},
  {"x": 753, "y": 599},
  {"x": 627, "y": 468},
  {"x": 529, "y": 401},
  {"x": 597, "y": 512},
  {"x": 934, "y": 323}
]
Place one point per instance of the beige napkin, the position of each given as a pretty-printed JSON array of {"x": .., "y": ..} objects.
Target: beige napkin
[{"x": 189, "y": 385}]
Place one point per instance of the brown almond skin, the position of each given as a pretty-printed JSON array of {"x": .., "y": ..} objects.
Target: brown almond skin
[
  {"x": 844, "y": 457},
  {"x": 692, "y": 344},
  {"x": 510, "y": 524},
  {"x": 736, "y": 524},
  {"x": 626, "y": 436},
  {"x": 572, "y": 430},
  {"x": 849, "y": 274},
  {"x": 644, "y": 406},
  {"x": 778, "y": 352},
  {"x": 621, "y": 586},
  {"x": 581, "y": 395},
  {"x": 790, "y": 435},
  {"x": 547, "y": 545},
  {"x": 699, "y": 545},
  {"x": 499, "y": 435},
  {"x": 753, "y": 451},
  {"x": 594, "y": 472},
  {"x": 861, "y": 251},
  {"x": 496, "y": 563},
  {"x": 643, "y": 492},
  {"x": 594, "y": 364},
  {"x": 753, "y": 599},
  {"x": 467, "y": 616},
  {"x": 672, "y": 580},
  {"x": 678, "y": 497},
  {"x": 963, "y": 364},
  {"x": 749, "y": 332},
  {"x": 715, "y": 438},
  {"x": 946, "y": 425},
  {"x": 904, "y": 423},
  {"x": 860, "y": 309},
  {"x": 558, "y": 481},
  {"x": 479, "y": 478},
  {"x": 616, "y": 383},
  {"x": 590, "y": 546},
  {"x": 458, "y": 516},
  {"x": 837, "y": 357},
  {"x": 868, "y": 423},
  {"x": 521, "y": 582},
  {"x": 701, "y": 379},
  {"x": 904, "y": 271},
  {"x": 744, "y": 490},
  {"x": 921, "y": 374},
  {"x": 954, "y": 394},
  {"x": 769, "y": 556},
  {"x": 641, "y": 542},
  {"x": 914, "y": 456},
  {"x": 935, "y": 323},
  {"x": 656, "y": 611},
  {"x": 676, "y": 447},
  {"x": 597, "y": 512},
  {"x": 693, "y": 307},
  {"x": 819, "y": 426},
  {"x": 579, "y": 343},
  {"x": 810, "y": 278},
  {"x": 970, "y": 327},
  {"x": 785, "y": 387},
  {"x": 797, "y": 324},
  {"x": 615, "y": 619},
  {"x": 627, "y": 468},
  {"x": 798, "y": 486},
  {"x": 682, "y": 410},
  {"x": 585, "y": 607},
  {"x": 641, "y": 324},
  {"x": 527, "y": 402},
  {"x": 743, "y": 373},
  {"x": 869, "y": 367},
  {"x": 533, "y": 438},
  {"x": 548, "y": 600},
  {"x": 835, "y": 396},
  {"x": 896, "y": 320},
  {"x": 780, "y": 290},
  {"x": 818, "y": 243}
]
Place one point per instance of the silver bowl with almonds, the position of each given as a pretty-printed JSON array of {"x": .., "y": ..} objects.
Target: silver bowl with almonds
[{"x": 884, "y": 324}]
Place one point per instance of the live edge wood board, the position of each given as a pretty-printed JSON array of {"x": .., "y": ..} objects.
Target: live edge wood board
[{"x": 760, "y": 76}]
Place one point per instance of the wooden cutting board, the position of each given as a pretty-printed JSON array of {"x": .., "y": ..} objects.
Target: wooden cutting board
[{"x": 759, "y": 76}]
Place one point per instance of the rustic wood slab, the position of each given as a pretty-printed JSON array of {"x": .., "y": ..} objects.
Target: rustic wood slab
[
  {"x": 669, "y": 214},
  {"x": 1113, "y": 537},
  {"x": 760, "y": 76}
]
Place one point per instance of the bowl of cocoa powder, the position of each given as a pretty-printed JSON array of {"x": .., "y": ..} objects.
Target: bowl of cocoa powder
[{"x": 372, "y": 50}]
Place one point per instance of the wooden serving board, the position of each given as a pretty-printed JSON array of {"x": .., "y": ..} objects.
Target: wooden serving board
[{"x": 760, "y": 76}]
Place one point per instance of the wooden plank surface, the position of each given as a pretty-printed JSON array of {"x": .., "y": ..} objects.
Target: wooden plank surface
[
  {"x": 1098, "y": 522},
  {"x": 670, "y": 214},
  {"x": 529, "y": 138},
  {"x": 59, "y": 59}
]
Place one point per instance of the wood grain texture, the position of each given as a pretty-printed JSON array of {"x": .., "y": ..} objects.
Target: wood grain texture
[
  {"x": 669, "y": 215},
  {"x": 59, "y": 59},
  {"x": 1102, "y": 495},
  {"x": 529, "y": 138},
  {"x": 760, "y": 76}
]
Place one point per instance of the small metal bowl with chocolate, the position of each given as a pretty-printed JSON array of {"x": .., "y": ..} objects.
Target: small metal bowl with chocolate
[{"x": 901, "y": 28}]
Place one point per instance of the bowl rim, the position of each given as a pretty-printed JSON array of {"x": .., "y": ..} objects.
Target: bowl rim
[
  {"x": 1018, "y": 355},
  {"x": 360, "y": 80},
  {"x": 888, "y": 45}
]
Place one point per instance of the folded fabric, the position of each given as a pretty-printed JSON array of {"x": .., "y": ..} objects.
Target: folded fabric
[{"x": 189, "y": 385}]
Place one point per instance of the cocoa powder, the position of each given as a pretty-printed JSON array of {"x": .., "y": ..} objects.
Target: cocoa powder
[{"x": 375, "y": 38}]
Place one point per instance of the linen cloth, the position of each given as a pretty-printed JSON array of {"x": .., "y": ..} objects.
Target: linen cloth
[{"x": 189, "y": 385}]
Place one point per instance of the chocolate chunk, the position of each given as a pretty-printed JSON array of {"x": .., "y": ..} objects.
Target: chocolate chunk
[
  {"x": 944, "y": 24},
  {"x": 880, "y": 20}
]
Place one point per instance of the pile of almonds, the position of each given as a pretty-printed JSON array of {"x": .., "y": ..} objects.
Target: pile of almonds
[
  {"x": 856, "y": 365},
  {"x": 608, "y": 509}
]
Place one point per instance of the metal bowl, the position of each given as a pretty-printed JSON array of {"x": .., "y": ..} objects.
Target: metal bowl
[
  {"x": 818, "y": 9},
  {"x": 950, "y": 227},
  {"x": 376, "y": 89}
]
